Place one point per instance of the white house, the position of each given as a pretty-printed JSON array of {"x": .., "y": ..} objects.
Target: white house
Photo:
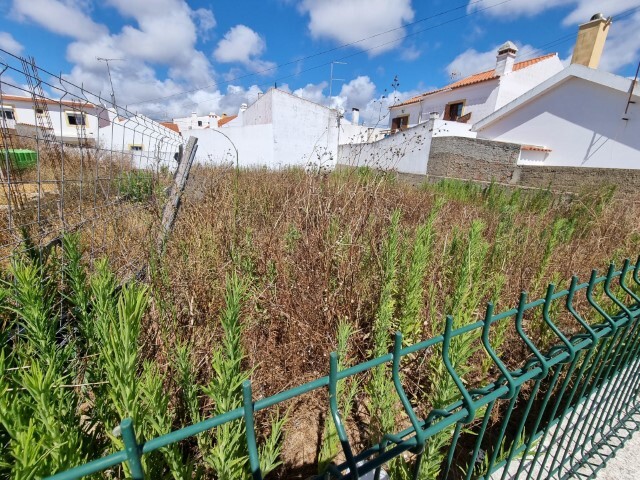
[
  {"x": 277, "y": 130},
  {"x": 580, "y": 117},
  {"x": 476, "y": 96},
  {"x": 147, "y": 143},
  {"x": 70, "y": 120},
  {"x": 195, "y": 122}
]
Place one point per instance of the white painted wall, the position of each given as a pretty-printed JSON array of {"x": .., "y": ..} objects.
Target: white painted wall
[
  {"x": 351, "y": 133},
  {"x": 483, "y": 98},
  {"x": 185, "y": 124},
  {"x": 259, "y": 112},
  {"x": 254, "y": 144},
  {"x": 159, "y": 144},
  {"x": 580, "y": 121},
  {"x": 514, "y": 84},
  {"x": 447, "y": 128},
  {"x": 24, "y": 112},
  {"x": 305, "y": 133},
  {"x": 406, "y": 151},
  {"x": 480, "y": 100},
  {"x": 276, "y": 131}
]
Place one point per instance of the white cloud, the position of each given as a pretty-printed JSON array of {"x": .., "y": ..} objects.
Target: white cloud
[
  {"x": 410, "y": 53},
  {"x": 313, "y": 92},
  {"x": 623, "y": 45},
  {"x": 63, "y": 17},
  {"x": 347, "y": 21},
  {"x": 514, "y": 8},
  {"x": 143, "y": 44},
  {"x": 358, "y": 92},
  {"x": 471, "y": 61},
  {"x": 10, "y": 44},
  {"x": 243, "y": 45},
  {"x": 205, "y": 21}
]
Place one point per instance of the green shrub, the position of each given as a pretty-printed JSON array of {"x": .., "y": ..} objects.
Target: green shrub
[{"x": 136, "y": 185}]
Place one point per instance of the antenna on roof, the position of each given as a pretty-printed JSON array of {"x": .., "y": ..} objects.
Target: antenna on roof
[
  {"x": 331, "y": 79},
  {"x": 107, "y": 60}
]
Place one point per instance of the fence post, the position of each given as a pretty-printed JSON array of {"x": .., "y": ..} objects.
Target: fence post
[
  {"x": 132, "y": 449},
  {"x": 172, "y": 205}
]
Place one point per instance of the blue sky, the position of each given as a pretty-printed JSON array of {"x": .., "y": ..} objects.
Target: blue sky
[{"x": 172, "y": 49}]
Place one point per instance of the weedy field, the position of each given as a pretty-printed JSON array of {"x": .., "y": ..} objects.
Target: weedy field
[{"x": 264, "y": 275}]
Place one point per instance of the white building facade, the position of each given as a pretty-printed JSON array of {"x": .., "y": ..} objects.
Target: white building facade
[
  {"x": 581, "y": 117},
  {"x": 477, "y": 96},
  {"x": 69, "y": 120},
  {"x": 145, "y": 142},
  {"x": 195, "y": 122},
  {"x": 278, "y": 130}
]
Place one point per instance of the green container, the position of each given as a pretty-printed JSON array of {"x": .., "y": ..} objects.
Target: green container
[{"x": 22, "y": 159}]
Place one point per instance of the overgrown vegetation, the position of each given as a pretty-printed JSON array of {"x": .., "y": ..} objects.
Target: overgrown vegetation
[
  {"x": 265, "y": 274},
  {"x": 71, "y": 368}
]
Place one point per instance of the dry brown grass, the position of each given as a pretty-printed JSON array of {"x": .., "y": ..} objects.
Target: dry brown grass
[{"x": 310, "y": 245}]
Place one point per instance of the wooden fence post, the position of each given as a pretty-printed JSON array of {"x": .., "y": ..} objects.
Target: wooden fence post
[{"x": 172, "y": 205}]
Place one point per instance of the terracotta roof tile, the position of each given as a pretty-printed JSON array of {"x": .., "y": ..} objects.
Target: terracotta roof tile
[
  {"x": 67, "y": 103},
  {"x": 224, "y": 120},
  {"x": 476, "y": 78},
  {"x": 170, "y": 126},
  {"x": 534, "y": 148}
]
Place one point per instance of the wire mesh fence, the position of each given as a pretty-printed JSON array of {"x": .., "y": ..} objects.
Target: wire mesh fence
[
  {"x": 72, "y": 161},
  {"x": 562, "y": 413}
]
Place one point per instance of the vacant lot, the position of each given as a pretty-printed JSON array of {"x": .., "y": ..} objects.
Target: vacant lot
[{"x": 268, "y": 272}]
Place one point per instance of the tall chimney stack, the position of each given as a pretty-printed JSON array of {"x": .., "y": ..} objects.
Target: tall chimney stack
[
  {"x": 355, "y": 116},
  {"x": 590, "y": 42},
  {"x": 506, "y": 58}
]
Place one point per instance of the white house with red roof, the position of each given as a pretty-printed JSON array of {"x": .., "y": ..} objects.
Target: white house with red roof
[
  {"x": 477, "y": 96},
  {"x": 580, "y": 117}
]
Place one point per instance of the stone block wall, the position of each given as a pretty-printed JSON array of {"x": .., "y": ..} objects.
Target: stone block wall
[
  {"x": 484, "y": 161},
  {"x": 472, "y": 159}
]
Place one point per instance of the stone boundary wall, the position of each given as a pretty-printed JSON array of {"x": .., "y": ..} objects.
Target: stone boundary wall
[
  {"x": 484, "y": 161},
  {"x": 472, "y": 159}
]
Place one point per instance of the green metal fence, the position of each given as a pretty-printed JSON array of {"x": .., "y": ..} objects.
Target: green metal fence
[{"x": 560, "y": 414}]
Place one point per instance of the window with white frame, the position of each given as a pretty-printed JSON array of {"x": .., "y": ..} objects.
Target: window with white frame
[{"x": 135, "y": 147}]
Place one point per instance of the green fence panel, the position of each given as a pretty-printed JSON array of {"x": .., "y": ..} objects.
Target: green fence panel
[{"x": 556, "y": 412}]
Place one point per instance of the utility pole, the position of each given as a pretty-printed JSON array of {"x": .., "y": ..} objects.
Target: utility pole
[
  {"x": 331, "y": 79},
  {"x": 107, "y": 60}
]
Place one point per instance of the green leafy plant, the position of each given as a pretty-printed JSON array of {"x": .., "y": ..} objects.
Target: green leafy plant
[
  {"x": 135, "y": 185},
  {"x": 346, "y": 393},
  {"x": 228, "y": 457}
]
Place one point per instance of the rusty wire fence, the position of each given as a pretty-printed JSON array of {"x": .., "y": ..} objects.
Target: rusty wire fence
[{"x": 73, "y": 161}]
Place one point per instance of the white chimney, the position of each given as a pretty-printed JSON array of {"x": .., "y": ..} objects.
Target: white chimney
[
  {"x": 355, "y": 116},
  {"x": 243, "y": 107},
  {"x": 506, "y": 58}
]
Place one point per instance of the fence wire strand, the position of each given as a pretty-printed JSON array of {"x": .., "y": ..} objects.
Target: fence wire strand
[{"x": 71, "y": 161}]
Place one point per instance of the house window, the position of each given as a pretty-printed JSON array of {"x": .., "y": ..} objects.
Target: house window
[
  {"x": 7, "y": 113},
  {"x": 453, "y": 111},
  {"x": 400, "y": 123},
  {"x": 76, "y": 119},
  {"x": 199, "y": 123},
  {"x": 135, "y": 148}
]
